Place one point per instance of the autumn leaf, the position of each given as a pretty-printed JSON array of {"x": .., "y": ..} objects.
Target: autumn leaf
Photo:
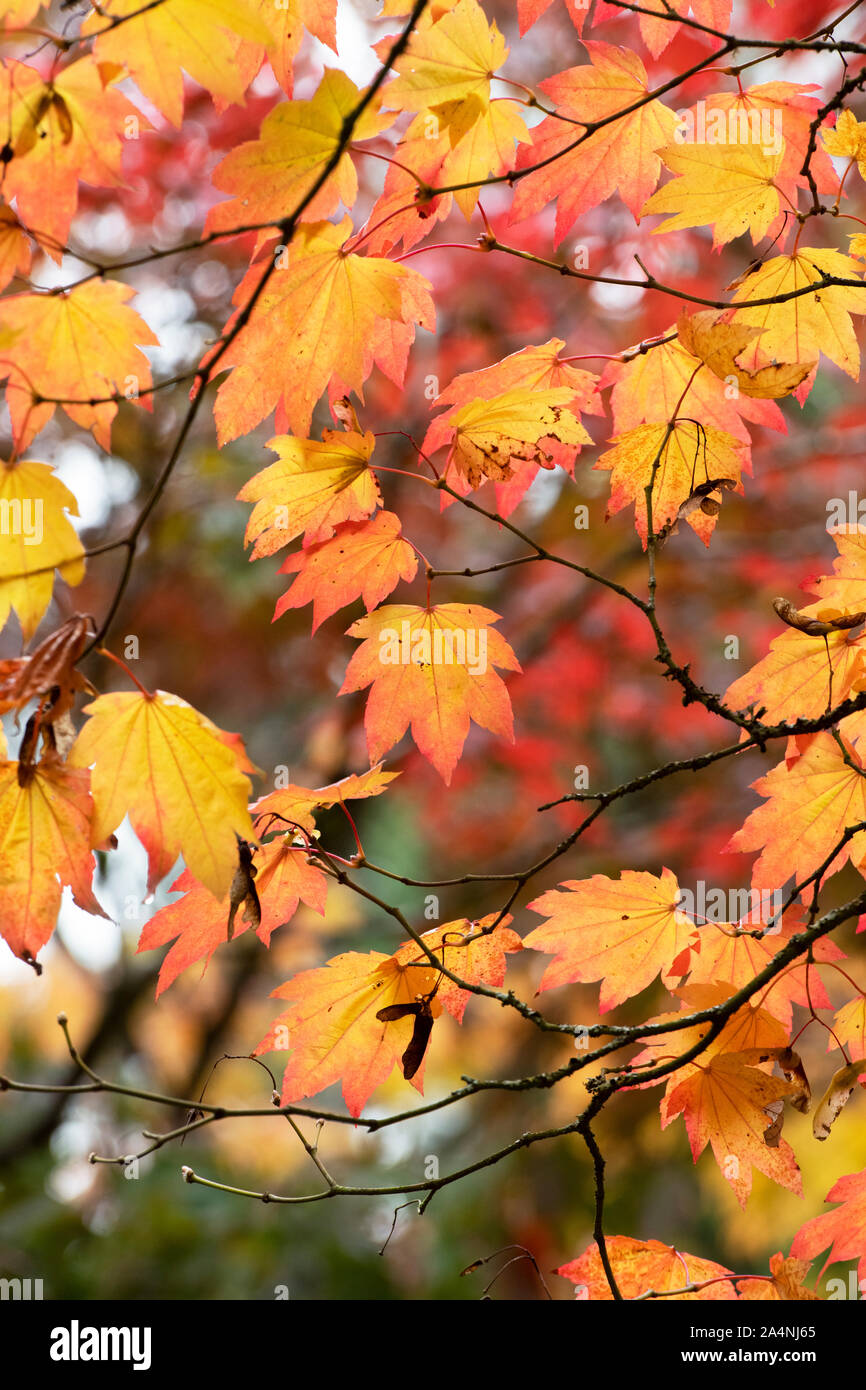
[
  {"x": 840, "y": 1231},
  {"x": 722, "y": 1098},
  {"x": 199, "y": 36},
  {"x": 787, "y": 1284},
  {"x": 677, "y": 458},
  {"x": 332, "y": 1030},
  {"x": 847, "y": 138},
  {"x": 728, "y": 187},
  {"x": 341, "y": 313},
  {"x": 78, "y": 346},
  {"x": 481, "y": 962},
  {"x": 267, "y": 177},
  {"x": 158, "y": 760},
  {"x": 490, "y": 435},
  {"x": 38, "y": 539},
  {"x": 722, "y": 952},
  {"x": 643, "y": 1265},
  {"x": 717, "y": 342},
  {"x": 793, "y": 680},
  {"x": 285, "y": 24},
  {"x": 656, "y": 27},
  {"x": 296, "y": 804},
  {"x": 621, "y": 155},
  {"x": 365, "y": 559},
  {"x": 799, "y": 329},
  {"x": 431, "y": 669},
  {"x": 451, "y": 60},
  {"x": 45, "y": 844},
  {"x": 623, "y": 932},
  {"x": 810, "y": 801},
  {"x": 69, "y": 129},
  {"x": 849, "y": 1027},
  {"x": 15, "y": 252},
  {"x": 313, "y": 488},
  {"x": 197, "y": 922}
]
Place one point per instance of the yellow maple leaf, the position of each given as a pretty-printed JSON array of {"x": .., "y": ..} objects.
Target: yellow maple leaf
[
  {"x": 200, "y": 36},
  {"x": 718, "y": 342},
  {"x": 798, "y": 329},
  {"x": 678, "y": 459},
  {"x": 35, "y": 538},
  {"x": 270, "y": 175},
  {"x": 450, "y": 60},
  {"x": 490, "y": 434},
  {"x": 728, "y": 187},
  {"x": 167, "y": 766},
  {"x": 311, "y": 488},
  {"x": 45, "y": 842},
  {"x": 848, "y": 137}
]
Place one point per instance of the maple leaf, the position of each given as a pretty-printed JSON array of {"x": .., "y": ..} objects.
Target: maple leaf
[
  {"x": 365, "y": 559},
  {"x": 481, "y": 962},
  {"x": 313, "y": 488},
  {"x": 286, "y": 23},
  {"x": 848, "y": 138},
  {"x": 341, "y": 313},
  {"x": 14, "y": 247},
  {"x": 156, "y": 41},
  {"x": 840, "y": 1231},
  {"x": 296, "y": 805},
  {"x": 529, "y": 11},
  {"x": 793, "y": 681},
  {"x": 811, "y": 800},
  {"x": 677, "y": 458},
  {"x": 798, "y": 330},
  {"x": 431, "y": 668},
  {"x": 623, "y": 932},
  {"x": 641, "y": 1265},
  {"x": 197, "y": 922},
  {"x": 722, "y": 953},
  {"x": 849, "y": 1027},
  {"x": 729, "y": 187},
  {"x": 621, "y": 155},
  {"x": 61, "y": 131},
  {"x": 656, "y": 386},
  {"x": 723, "y": 1098},
  {"x": 332, "y": 1029},
  {"x": 38, "y": 539},
  {"x": 451, "y": 60},
  {"x": 532, "y": 369},
  {"x": 158, "y": 760},
  {"x": 267, "y": 177},
  {"x": 657, "y": 33},
  {"x": 787, "y": 1284},
  {"x": 711, "y": 337},
  {"x": 45, "y": 843},
  {"x": 80, "y": 345},
  {"x": 489, "y": 435}
]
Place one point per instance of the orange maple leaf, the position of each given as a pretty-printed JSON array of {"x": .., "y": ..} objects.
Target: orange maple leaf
[
  {"x": 623, "y": 932},
  {"x": 199, "y": 921},
  {"x": 341, "y": 312},
  {"x": 79, "y": 346},
  {"x": 842, "y": 1232},
  {"x": 643, "y": 1265},
  {"x": 811, "y": 800},
  {"x": 786, "y": 1285},
  {"x": 365, "y": 559},
  {"x": 622, "y": 155},
  {"x": 431, "y": 668}
]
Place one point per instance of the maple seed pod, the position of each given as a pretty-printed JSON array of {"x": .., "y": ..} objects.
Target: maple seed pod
[{"x": 829, "y": 620}]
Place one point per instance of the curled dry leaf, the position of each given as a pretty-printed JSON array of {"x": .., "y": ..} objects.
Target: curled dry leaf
[{"x": 836, "y": 1097}]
